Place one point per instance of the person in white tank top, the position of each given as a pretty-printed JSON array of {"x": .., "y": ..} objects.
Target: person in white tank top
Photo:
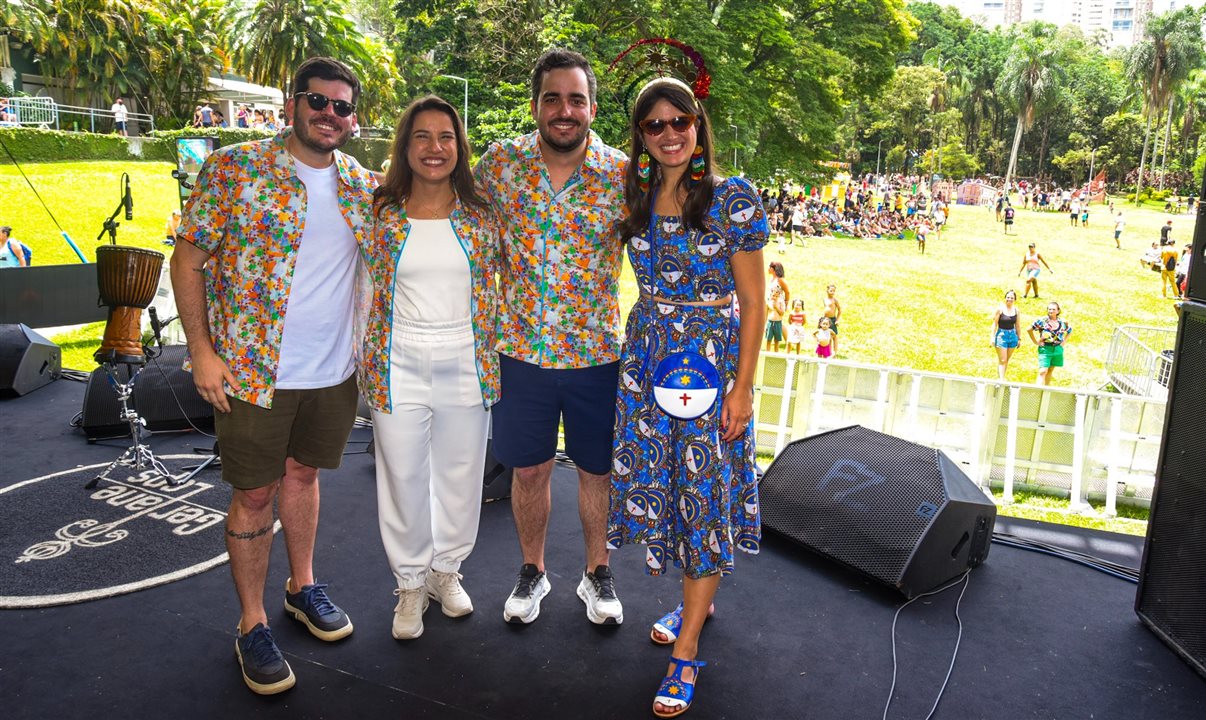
[{"x": 427, "y": 365}]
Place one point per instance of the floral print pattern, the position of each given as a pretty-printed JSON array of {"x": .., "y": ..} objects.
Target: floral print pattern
[
  {"x": 561, "y": 257},
  {"x": 248, "y": 211}
]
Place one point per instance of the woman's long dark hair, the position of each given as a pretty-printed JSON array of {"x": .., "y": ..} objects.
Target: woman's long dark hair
[
  {"x": 396, "y": 186},
  {"x": 699, "y": 193}
]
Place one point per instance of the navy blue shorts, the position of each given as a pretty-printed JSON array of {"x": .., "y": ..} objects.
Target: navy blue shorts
[{"x": 536, "y": 400}]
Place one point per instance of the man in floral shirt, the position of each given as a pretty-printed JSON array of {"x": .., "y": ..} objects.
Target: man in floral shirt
[
  {"x": 559, "y": 192},
  {"x": 264, "y": 280}
]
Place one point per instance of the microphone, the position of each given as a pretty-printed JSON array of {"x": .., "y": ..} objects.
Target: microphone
[
  {"x": 156, "y": 326},
  {"x": 128, "y": 200}
]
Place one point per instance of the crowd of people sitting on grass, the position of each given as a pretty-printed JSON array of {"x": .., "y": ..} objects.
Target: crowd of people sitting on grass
[{"x": 855, "y": 211}]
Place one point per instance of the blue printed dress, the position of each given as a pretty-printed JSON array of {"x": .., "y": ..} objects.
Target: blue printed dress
[{"x": 676, "y": 486}]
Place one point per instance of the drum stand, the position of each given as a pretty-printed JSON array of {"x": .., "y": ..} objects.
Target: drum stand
[{"x": 139, "y": 455}]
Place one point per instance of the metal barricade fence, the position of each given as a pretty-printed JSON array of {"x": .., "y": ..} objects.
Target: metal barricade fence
[
  {"x": 1140, "y": 359},
  {"x": 39, "y": 112},
  {"x": 1080, "y": 443}
]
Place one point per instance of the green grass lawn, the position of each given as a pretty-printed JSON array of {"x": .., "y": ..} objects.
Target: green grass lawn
[
  {"x": 81, "y": 195},
  {"x": 933, "y": 311}
]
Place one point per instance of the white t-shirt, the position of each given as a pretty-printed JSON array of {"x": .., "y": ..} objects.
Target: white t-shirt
[
  {"x": 119, "y": 112},
  {"x": 432, "y": 282},
  {"x": 316, "y": 348}
]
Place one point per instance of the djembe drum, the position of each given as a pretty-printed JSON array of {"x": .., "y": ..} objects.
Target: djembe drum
[{"x": 128, "y": 278}]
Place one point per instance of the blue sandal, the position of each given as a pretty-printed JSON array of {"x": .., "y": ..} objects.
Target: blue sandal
[
  {"x": 669, "y": 626},
  {"x": 673, "y": 692}
]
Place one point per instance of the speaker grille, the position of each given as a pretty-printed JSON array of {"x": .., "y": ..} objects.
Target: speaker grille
[
  {"x": 861, "y": 497},
  {"x": 1172, "y": 593}
]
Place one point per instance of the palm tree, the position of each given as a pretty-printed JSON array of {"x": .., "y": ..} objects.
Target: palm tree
[
  {"x": 272, "y": 37},
  {"x": 1170, "y": 50},
  {"x": 184, "y": 39},
  {"x": 1192, "y": 94},
  {"x": 1030, "y": 81},
  {"x": 93, "y": 47}
]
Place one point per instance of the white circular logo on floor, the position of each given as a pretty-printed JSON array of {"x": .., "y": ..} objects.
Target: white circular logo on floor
[{"x": 61, "y": 542}]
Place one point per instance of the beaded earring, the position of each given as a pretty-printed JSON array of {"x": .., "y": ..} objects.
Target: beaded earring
[
  {"x": 697, "y": 163},
  {"x": 643, "y": 171}
]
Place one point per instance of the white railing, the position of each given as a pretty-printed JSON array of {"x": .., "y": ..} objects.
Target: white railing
[
  {"x": 32, "y": 111},
  {"x": 1080, "y": 443},
  {"x": 1140, "y": 359},
  {"x": 44, "y": 112}
]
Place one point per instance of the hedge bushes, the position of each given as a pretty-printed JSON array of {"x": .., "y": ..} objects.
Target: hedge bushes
[
  {"x": 370, "y": 152},
  {"x": 34, "y": 145}
]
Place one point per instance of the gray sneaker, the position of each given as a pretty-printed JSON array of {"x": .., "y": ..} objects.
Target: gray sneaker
[
  {"x": 598, "y": 590},
  {"x": 523, "y": 606}
]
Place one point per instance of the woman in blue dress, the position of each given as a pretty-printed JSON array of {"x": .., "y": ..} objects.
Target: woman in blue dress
[{"x": 683, "y": 460}]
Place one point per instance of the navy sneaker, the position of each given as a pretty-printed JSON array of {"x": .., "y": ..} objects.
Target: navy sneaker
[
  {"x": 323, "y": 617},
  {"x": 265, "y": 670}
]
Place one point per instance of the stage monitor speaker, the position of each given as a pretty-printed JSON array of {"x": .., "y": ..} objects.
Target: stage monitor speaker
[
  {"x": 27, "y": 360},
  {"x": 1195, "y": 285},
  {"x": 497, "y": 477},
  {"x": 153, "y": 398},
  {"x": 1171, "y": 599},
  {"x": 901, "y": 513}
]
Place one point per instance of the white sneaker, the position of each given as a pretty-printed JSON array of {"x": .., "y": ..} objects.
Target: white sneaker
[
  {"x": 408, "y": 616},
  {"x": 598, "y": 591},
  {"x": 524, "y": 604},
  {"x": 445, "y": 588}
]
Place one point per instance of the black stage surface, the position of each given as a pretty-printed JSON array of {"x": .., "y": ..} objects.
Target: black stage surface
[{"x": 793, "y": 636}]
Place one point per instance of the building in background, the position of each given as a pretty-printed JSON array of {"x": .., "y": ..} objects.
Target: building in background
[{"x": 1120, "y": 22}]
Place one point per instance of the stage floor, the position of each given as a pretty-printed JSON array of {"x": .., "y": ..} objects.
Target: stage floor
[{"x": 793, "y": 635}]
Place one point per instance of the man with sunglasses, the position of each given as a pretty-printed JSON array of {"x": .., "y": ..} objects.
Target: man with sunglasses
[
  {"x": 264, "y": 280},
  {"x": 559, "y": 192}
]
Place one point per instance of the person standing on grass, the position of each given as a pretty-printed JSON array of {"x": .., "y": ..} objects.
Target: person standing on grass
[
  {"x": 922, "y": 229},
  {"x": 1008, "y": 217},
  {"x": 796, "y": 321},
  {"x": 832, "y": 309},
  {"x": 265, "y": 278},
  {"x": 1049, "y": 334},
  {"x": 12, "y": 252},
  {"x": 825, "y": 337},
  {"x": 1168, "y": 264},
  {"x": 1119, "y": 226},
  {"x": 1004, "y": 335},
  {"x": 1030, "y": 264},
  {"x": 777, "y": 297}
]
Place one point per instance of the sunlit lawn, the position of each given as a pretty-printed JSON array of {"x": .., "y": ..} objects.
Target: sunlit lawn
[{"x": 933, "y": 311}]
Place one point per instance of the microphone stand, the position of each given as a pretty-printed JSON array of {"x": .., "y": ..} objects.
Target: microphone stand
[{"x": 110, "y": 226}]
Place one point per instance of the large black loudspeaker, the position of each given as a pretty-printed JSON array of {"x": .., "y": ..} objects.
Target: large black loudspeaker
[
  {"x": 1196, "y": 285},
  {"x": 1171, "y": 599},
  {"x": 902, "y": 513},
  {"x": 27, "y": 360},
  {"x": 164, "y": 394}
]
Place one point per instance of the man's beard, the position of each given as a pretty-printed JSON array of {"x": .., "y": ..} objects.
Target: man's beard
[
  {"x": 573, "y": 144},
  {"x": 302, "y": 131}
]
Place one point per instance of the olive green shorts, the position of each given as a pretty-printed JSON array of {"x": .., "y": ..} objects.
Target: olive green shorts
[{"x": 310, "y": 426}]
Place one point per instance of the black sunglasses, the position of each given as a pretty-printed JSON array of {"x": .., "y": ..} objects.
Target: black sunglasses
[
  {"x": 318, "y": 102},
  {"x": 656, "y": 126}
]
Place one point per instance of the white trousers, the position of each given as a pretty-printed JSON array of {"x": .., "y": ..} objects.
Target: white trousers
[{"x": 431, "y": 451}]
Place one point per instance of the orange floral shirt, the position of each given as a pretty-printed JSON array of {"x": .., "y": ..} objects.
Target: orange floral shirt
[
  {"x": 248, "y": 211},
  {"x": 561, "y": 255}
]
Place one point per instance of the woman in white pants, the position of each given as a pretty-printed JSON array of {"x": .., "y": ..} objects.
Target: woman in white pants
[{"x": 427, "y": 364}]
